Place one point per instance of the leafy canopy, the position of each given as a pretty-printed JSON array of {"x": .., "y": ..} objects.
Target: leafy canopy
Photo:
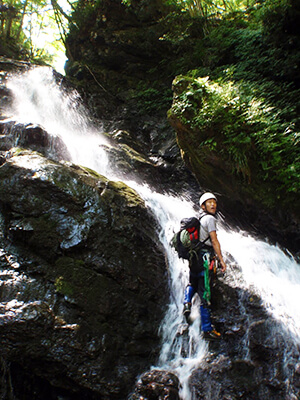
[{"x": 34, "y": 29}]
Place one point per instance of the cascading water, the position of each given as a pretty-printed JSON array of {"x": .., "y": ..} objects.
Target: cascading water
[
  {"x": 274, "y": 275},
  {"x": 263, "y": 269}
]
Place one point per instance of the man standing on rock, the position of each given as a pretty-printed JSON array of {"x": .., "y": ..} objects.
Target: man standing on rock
[{"x": 202, "y": 256}]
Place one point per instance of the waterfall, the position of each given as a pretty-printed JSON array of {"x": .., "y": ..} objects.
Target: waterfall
[
  {"x": 263, "y": 268},
  {"x": 40, "y": 100}
]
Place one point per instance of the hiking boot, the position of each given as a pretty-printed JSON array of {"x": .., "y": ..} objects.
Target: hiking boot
[
  {"x": 212, "y": 335},
  {"x": 187, "y": 311}
]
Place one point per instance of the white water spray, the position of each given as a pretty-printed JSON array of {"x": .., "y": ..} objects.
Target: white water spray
[
  {"x": 265, "y": 270},
  {"x": 268, "y": 272}
]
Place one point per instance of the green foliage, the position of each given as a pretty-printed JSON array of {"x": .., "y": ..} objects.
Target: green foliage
[
  {"x": 151, "y": 97},
  {"x": 209, "y": 8},
  {"x": 32, "y": 29},
  {"x": 243, "y": 129},
  {"x": 266, "y": 57}
]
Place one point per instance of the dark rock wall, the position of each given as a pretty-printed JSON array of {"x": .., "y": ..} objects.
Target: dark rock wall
[{"x": 95, "y": 283}]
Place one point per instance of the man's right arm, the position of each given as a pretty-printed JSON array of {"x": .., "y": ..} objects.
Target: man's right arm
[{"x": 217, "y": 248}]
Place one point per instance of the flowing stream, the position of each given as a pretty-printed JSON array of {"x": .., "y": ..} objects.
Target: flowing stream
[{"x": 265, "y": 269}]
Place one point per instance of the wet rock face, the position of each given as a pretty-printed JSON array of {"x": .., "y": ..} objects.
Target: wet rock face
[
  {"x": 84, "y": 286},
  {"x": 120, "y": 43},
  {"x": 156, "y": 384}
]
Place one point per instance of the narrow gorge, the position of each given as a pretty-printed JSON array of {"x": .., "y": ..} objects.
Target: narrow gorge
[{"x": 98, "y": 167}]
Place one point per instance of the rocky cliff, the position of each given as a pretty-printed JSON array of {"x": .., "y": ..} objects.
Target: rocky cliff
[{"x": 83, "y": 275}]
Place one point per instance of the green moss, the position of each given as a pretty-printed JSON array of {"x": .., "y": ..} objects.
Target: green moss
[
  {"x": 73, "y": 278},
  {"x": 69, "y": 276},
  {"x": 130, "y": 195},
  {"x": 63, "y": 287},
  {"x": 92, "y": 172},
  {"x": 16, "y": 151},
  {"x": 133, "y": 154}
]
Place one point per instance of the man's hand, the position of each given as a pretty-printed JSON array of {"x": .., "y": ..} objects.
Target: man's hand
[{"x": 223, "y": 266}]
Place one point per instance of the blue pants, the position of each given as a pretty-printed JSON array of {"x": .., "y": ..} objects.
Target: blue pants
[{"x": 196, "y": 285}]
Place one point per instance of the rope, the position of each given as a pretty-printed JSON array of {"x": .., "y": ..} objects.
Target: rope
[
  {"x": 96, "y": 80},
  {"x": 207, "y": 293}
]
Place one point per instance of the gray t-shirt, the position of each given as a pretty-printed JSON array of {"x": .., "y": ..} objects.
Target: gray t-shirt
[{"x": 208, "y": 224}]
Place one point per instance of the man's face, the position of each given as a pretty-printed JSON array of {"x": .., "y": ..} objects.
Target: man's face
[{"x": 210, "y": 206}]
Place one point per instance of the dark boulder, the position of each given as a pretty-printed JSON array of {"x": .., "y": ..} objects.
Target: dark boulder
[
  {"x": 86, "y": 284},
  {"x": 156, "y": 384},
  {"x": 32, "y": 137}
]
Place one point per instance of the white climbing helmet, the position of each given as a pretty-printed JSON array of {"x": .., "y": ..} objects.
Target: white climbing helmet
[{"x": 206, "y": 196}]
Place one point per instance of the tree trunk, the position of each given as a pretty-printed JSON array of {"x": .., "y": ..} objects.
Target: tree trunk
[{"x": 22, "y": 20}]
